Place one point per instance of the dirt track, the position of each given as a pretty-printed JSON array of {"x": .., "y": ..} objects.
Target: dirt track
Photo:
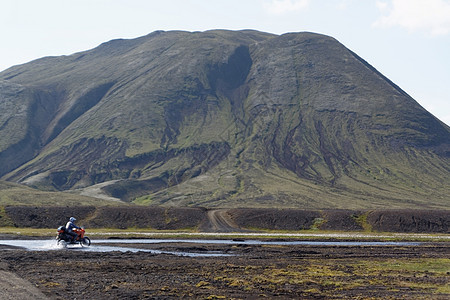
[
  {"x": 253, "y": 272},
  {"x": 220, "y": 221}
]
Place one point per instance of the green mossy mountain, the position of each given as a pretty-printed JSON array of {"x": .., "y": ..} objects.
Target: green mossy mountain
[{"x": 222, "y": 119}]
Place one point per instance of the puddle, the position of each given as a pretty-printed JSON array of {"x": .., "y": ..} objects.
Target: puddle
[
  {"x": 43, "y": 245},
  {"x": 102, "y": 245},
  {"x": 107, "y": 245},
  {"x": 255, "y": 242}
]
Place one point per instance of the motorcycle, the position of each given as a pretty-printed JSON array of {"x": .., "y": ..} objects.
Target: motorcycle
[{"x": 63, "y": 236}]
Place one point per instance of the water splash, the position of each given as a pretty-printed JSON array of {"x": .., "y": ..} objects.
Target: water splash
[{"x": 52, "y": 245}]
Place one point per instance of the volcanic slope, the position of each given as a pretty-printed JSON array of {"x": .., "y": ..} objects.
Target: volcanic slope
[{"x": 222, "y": 119}]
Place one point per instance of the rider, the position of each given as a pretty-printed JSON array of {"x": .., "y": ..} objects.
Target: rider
[{"x": 70, "y": 226}]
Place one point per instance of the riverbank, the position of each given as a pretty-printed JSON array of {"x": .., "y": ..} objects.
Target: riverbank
[{"x": 98, "y": 233}]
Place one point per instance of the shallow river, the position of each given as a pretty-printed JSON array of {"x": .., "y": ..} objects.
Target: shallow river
[{"x": 109, "y": 245}]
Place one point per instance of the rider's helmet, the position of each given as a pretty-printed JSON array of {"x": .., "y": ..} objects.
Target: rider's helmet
[{"x": 72, "y": 219}]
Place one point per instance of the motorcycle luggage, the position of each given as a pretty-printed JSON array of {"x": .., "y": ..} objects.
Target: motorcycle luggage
[{"x": 61, "y": 229}]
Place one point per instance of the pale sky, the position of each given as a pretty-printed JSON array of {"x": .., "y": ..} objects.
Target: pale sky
[{"x": 406, "y": 40}]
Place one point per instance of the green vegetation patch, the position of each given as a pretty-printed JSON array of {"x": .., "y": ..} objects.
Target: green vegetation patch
[
  {"x": 362, "y": 221},
  {"x": 317, "y": 223},
  {"x": 21, "y": 195},
  {"x": 5, "y": 220},
  {"x": 427, "y": 266},
  {"x": 331, "y": 278},
  {"x": 34, "y": 232}
]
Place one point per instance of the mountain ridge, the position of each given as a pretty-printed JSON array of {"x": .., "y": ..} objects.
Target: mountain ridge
[{"x": 216, "y": 117}]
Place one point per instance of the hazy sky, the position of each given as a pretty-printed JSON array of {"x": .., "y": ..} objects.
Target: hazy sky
[{"x": 406, "y": 40}]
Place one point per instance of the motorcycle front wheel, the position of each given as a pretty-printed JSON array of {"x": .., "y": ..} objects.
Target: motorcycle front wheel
[
  {"x": 60, "y": 242},
  {"x": 85, "y": 242}
]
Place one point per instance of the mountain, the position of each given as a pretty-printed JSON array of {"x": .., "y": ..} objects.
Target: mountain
[{"x": 222, "y": 118}]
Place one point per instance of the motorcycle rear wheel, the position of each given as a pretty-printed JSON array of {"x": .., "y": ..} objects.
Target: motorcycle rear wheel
[{"x": 85, "y": 242}]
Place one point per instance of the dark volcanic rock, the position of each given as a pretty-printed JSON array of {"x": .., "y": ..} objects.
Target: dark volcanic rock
[
  {"x": 176, "y": 218},
  {"x": 45, "y": 217},
  {"x": 410, "y": 221},
  {"x": 107, "y": 217},
  {"x": 278, "y": 219}
]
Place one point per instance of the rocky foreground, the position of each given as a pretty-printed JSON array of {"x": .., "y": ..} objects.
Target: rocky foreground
[{"x": 252, "y": 272}]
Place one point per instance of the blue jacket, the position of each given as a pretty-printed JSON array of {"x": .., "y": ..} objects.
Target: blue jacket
[{"x": 70, "y": 226}]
